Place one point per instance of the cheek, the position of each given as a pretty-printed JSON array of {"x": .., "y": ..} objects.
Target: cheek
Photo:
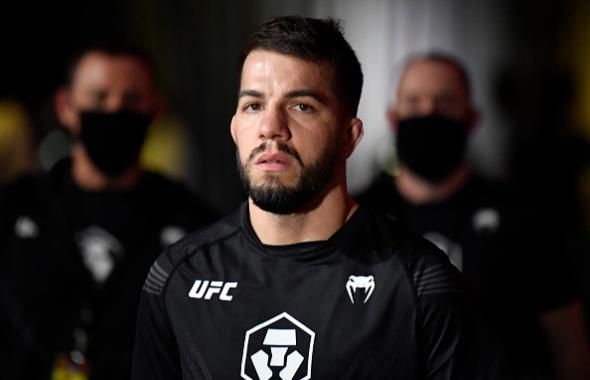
[
  {"x": 244, "y": 147},
  {"x": 312, "y": 146}
]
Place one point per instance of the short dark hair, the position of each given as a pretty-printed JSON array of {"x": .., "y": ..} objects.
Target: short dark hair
[
  {"x": 114, "y": 49},
  {"x": 446, "y": 58},
  {"x": 314, "y": 40}
]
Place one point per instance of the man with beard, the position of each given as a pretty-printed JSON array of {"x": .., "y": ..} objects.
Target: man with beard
[
  {"x": 78, "y": 241},
  {"x": 300, "y": 282},
  {"x": 514, "y": 266}
]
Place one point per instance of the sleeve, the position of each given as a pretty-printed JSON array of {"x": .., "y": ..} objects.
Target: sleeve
[
  {"x": 454, "y": 342},
  {"x": 156, "y": 355}
]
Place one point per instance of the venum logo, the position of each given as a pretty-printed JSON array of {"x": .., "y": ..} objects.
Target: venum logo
[
  {"x": 367, "y": 283},
  {"x": 206, "y": 289},
  {"x": 281, "y": 346}
]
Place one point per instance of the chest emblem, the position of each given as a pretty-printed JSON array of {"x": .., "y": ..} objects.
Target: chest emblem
[
  {"x": 486, "y": 220},
  {"x": 100, "y": 251},
  {"x": 170, "y": 235},
  {"x": 207, "y": 289},
  {"x": 26, "y": 228},
  {"x": 367, "y": 283},
  {"x": 281, "y": 346}
]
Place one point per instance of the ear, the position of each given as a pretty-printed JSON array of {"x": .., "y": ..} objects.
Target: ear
[
  {"x": 66, "y": 115},
  {"x": 232, "y": 129},
  {"x": 354, "y": 135},
  {"x": 392, "y": 118}
]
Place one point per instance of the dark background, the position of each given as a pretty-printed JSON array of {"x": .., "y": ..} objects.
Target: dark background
[{"x": 196, "y": 45}]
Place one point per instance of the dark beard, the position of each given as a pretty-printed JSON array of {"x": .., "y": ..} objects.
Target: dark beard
[{"x": 280, "y": 199}]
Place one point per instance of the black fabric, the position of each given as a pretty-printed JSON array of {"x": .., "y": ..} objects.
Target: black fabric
[
  {"x": 113, "y": 140},
  {"x": 51, "y": 231},
  {"x": 514, "y": 265},
  {"x": 394, "y": 331},
  {"x": 431, "y": 146}
]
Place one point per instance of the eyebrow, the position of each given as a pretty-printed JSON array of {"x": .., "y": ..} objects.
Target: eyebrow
[
  {"x": 307, "y": 93},
  {"x": 253, "y": 93},
  {"x": 289, "y": 95}
]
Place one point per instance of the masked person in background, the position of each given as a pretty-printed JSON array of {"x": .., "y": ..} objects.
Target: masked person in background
[
  {"x": 514, "y": 267},
  {"x": 79, "y": 241}
]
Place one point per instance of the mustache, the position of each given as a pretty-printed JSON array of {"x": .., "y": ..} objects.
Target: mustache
[{"x": 281, "y": 147}]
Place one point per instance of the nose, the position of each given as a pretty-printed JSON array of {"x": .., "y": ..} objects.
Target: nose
[
  {"x": 428, "y": 107},
  {"x": 114, "y": 103},
  {"x": 274, "y": 125}
]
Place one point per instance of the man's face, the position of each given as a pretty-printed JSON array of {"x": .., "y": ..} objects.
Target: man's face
[
  {"x": 287, "y": 129},
  {"x": 110, "y": 83},
  {"x": 432, "y": 119},
  {"x": 431, "y": 87}
]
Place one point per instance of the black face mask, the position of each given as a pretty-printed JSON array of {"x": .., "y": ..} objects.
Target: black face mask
[
  {"x": 431, "y": 146},
  {"x": 113, "y": 140}
]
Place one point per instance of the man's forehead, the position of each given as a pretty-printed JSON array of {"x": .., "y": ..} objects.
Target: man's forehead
[
  {"x": 433, "y": 75},
  {"x": 98, "y": 66},
  {"x": 270, "y": 74},
  {"x": 260, "y": 66}
]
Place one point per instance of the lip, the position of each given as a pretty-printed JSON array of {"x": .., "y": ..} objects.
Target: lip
[{"x": 275, "y": 161}]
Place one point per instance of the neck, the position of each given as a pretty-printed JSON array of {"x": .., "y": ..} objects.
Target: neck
[
  {"x": 418, "y": 191},
  {"x": 316, "y": 224},
  {"x": 88, "y": 177}
]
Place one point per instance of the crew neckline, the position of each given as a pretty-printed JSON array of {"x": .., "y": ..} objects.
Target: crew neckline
[
  {"x": 305, "y": 250},
  {"x": 294, "y": 249}
]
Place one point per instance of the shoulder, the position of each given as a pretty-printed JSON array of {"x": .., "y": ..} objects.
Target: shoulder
[
  {"x": 388, "y": 230},
  {"x": 492, "y": 206},
  {"x": 488, "y": 192},
  {"x": 177, "y": 197},
  {"x": 18, "y": 196},
  {"x": 425, "y": 264},
  {"x": 397, "y": 238},
  {"x": 158, "y": 183},
  {"x": 26, "y": 183},
  {"x": 206, "y": 236},
  {"x": 28, "y": 190},
  {"x": 192, "y": 244},
  {"x": 381, "y": 194}
]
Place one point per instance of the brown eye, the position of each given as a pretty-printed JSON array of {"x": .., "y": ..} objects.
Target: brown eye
[
  {"x": 252, "y": 107},
  {"x": 303, "y": 107}
]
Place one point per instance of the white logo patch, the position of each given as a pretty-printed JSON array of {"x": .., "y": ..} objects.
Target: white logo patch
[
  {"x": 282, "y": 345},
  {"x": 170, "y": 235},
  {"x": 26, "y": 228},
  {"x": 206, "y": 289},
  {"x": 363, "y": 282},
  {"x": 98, "y": 249},
  {"x": 486, "y": 220}
]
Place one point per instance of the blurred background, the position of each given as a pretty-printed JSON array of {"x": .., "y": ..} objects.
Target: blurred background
[
  {"x": 527, "y": 59},
  {"x": 529, "y": 63}
]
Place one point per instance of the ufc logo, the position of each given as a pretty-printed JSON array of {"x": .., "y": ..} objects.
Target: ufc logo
[{"x": 206, "y": 290}]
